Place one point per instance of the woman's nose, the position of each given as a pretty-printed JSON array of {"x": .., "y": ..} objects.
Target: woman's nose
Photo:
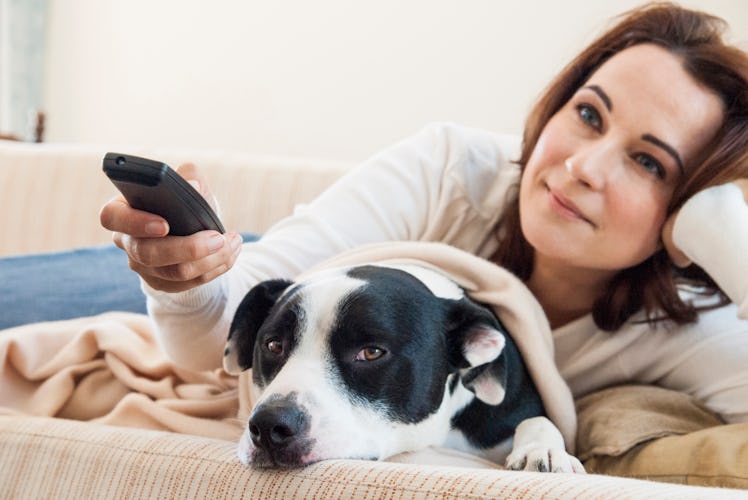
[{"x": 592, "y": 166}]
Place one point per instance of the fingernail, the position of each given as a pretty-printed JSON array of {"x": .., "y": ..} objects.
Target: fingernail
[
  {"x": 156, "y": 229},
  {"x": 194, "y": 184},
  {"x": 215, "y": 242},
  {"x": 236, "y": 242}
]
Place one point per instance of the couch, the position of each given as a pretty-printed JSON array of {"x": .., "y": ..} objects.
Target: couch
[{"x": 51, "y": 195}]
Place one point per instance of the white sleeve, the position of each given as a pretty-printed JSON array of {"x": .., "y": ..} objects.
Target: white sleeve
[
  {"x": 712, "y": 230},
  {"x": 389, "y": 197}
]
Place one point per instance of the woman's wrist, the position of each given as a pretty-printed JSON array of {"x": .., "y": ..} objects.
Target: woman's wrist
[{"x": 188, "y": 300}]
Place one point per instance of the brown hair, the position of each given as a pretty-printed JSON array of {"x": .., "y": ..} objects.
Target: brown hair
[{"x": 696, "y": 38}]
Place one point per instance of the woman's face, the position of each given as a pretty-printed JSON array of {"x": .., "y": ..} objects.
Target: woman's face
[{"x": 595, "y": 190}]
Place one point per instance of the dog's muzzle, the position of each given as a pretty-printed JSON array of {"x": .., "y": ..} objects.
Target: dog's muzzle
[{"x": 279, "y": 430}]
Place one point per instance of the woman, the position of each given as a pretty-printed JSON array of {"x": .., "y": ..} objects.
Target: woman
[{"x": 630, "y": 163}]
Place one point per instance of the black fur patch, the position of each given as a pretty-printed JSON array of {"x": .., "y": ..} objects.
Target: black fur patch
[
  {"x": 251, "y": 316},
  {"x": 397, "y": 313}
]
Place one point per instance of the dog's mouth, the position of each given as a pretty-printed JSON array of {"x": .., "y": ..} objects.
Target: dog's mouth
[
  {"x": 290, "y": 457},
  {"x": 301, "y": 454},
  {"x": 264, "y": 460}
]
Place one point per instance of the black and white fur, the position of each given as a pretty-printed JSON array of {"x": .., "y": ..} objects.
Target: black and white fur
[{"x": 371, "y": 361}]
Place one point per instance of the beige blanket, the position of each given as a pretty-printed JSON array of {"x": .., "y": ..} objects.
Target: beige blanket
[{"x": 109, "y": 369}]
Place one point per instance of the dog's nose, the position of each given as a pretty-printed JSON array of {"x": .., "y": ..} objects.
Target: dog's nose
[{"x": 277, "y": 424}]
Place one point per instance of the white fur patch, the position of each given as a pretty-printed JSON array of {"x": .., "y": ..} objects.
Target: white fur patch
[{"x": 340, "y": 427}]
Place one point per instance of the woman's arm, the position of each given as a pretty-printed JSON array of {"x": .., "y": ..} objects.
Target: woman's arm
[
  {"x": 392, "y": 196},
  {"x": 709, "y": 359}
]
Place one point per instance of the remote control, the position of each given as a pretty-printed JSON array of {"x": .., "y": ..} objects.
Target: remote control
[{"x": 155, "y": 187}]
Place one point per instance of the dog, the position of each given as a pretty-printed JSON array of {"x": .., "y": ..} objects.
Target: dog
[{"x": 369, "y": 361}]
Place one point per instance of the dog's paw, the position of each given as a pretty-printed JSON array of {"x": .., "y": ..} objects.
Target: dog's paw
[
  {"x": 543, "y": 459},
  {"x": 539, "y": 446}
]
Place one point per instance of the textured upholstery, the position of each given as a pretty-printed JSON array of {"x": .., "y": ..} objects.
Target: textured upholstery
[
  {"x": 55, "y": 458},
  {"x": 51, "y": 196}
]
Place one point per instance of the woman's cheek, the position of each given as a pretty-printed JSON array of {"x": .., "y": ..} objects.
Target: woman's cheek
[{"x": 636, "y": 226}]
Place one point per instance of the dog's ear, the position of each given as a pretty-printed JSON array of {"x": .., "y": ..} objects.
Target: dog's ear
[
  {"x": 476, "y": 341},
  {"x": 249, "y": 316}
]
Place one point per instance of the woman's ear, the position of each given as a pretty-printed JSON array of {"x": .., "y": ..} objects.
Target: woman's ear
[{"x": 679, "y": 258}]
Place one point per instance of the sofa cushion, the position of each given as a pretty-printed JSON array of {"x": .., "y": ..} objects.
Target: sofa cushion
[
  {"x": 44, "y": 458},
  {"x": 648, "y": 432},
  {"x": 70, "y": 284},
  {"x": 64, "y": 285}
]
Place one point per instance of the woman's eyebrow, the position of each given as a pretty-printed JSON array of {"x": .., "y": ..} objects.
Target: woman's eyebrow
[
  {"x": 647, "y": 137},
  {"x": 603, "y": 96},
  {"x": 665, "y": 146}
]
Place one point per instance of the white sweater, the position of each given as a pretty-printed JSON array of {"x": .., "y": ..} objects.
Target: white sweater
[{"x": 449, "y": 184}]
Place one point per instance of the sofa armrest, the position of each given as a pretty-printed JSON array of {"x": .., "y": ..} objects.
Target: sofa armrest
[
  {"x": 44, "y": 457},
  {"x": 52, "y": 193}
]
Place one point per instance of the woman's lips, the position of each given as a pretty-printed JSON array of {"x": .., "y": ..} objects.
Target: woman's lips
[{"x": 565, "y": 207}]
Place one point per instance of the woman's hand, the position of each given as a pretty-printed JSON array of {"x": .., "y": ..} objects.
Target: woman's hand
[
  {"x": 679, "y": 258},
  {"x": 743, "y": 185},
  {"x": 170, "y": 263}
]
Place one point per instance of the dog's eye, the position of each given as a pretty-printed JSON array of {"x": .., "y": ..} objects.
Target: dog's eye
[
  {"x": 369, "y": 354},
  {"x": 274, "y": 346}
]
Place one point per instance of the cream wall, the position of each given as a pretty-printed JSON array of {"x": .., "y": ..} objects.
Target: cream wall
[{"x": 333, "y": 79}]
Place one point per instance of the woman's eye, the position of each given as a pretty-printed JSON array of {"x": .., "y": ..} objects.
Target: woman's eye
[
  {"x": 274, "y": 346},
  {"x": 590, "y": 116},
  {"x": 369, "y": 354},
  {"x": 650, "y": 164}
]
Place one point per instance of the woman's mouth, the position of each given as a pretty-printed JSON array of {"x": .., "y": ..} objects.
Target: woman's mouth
[{"x": 565, "y": 207}]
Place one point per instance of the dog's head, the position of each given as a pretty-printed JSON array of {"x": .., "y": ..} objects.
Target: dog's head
[{"x": 360, "y": 362}]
